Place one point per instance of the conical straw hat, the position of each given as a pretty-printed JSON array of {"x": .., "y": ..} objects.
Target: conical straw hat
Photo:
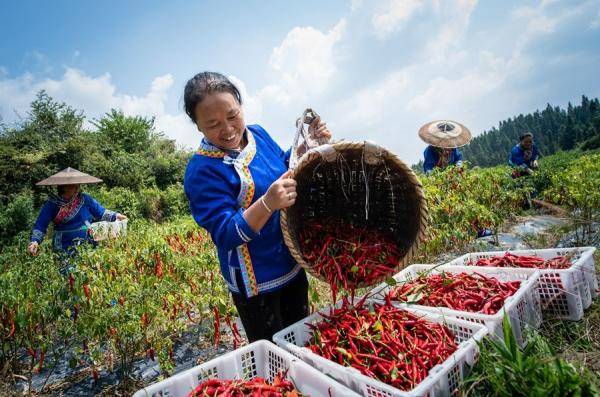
[
  {"x": 445, "y": 134},
  {"x": 68, "y": 176}
]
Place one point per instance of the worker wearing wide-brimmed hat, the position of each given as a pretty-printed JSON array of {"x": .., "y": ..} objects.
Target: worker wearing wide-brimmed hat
[
  {"x": 70, "y": 210},
  {"x": 444, "y": 138}
]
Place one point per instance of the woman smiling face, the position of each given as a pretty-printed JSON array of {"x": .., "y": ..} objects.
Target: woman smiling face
[{"x": 219, "y": 117}]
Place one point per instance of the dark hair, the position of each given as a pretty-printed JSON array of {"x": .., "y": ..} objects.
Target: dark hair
[
  {"x": 202, "y": 84},
  {"x": 525, "y": 135}
]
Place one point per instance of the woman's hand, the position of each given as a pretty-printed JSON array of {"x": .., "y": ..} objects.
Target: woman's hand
[
  {"x": 33, "y": 248},
  {"x": 318, "y": 130},
  {"x": 281, "y": 193},
  {"x": 121, "y": 217}
]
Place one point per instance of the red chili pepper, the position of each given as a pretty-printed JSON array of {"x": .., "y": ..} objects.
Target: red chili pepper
[
  {"x": 158, "y": 270},
  {"x": 11, "y": 331},
  {"x": 217, "y": 323},
  {"x": 150, "y": 353},
  {"x": 42, "y": 356},
  {"x": 86, "y": 291},
  {"x": 234, "y": 331}
]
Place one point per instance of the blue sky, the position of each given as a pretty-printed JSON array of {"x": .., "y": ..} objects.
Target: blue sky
[{"x": 374, "y": 70}]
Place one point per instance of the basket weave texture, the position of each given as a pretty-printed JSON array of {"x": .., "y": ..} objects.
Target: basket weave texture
[{"x": 363, "y": 184}]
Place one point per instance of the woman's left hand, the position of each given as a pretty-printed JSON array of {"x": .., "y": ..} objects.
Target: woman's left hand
[
  {"x": 318, "y": 130},
  {"x": 121, "y": 217}
]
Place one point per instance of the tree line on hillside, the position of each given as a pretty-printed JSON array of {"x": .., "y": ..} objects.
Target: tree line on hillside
[{"x": 554, "y": 129}]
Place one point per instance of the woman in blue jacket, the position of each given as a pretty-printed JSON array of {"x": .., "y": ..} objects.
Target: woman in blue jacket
[
  {"x": 236, "y": 183},
  {"x": 71, "y": 212},
  {"x": 524, "y": 156}
]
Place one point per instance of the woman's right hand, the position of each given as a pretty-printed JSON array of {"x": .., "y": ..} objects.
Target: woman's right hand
[
  {"x": 281, "y": 193},
  {"x": 33, "y": 248}
]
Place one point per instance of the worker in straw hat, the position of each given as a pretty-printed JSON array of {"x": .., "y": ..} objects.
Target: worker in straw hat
[
  {"x": 70, "y": 210},
  {"x": 444, "y": 138}
]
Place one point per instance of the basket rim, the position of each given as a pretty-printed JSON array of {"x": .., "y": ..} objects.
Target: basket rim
[{"x": 313, "y": 155}]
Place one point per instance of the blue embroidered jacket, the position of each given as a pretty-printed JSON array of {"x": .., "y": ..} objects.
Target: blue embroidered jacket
[
  {"x": 517, "y": 157},
  {"x": 72, "y": 229},
  {"x": 220, "y": 186},
  {"x": 432, "y": 157}
]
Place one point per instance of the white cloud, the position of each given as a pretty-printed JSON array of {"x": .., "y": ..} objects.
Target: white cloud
[
  {"x": 390, "y": 19},
  {"x": 355, "y": 5},
  {"x": 368, "y": 106},
  {"x": 303, "y": 64},
  {"x": 445, "y": 95},
  {"x": 454, "y": 18}
]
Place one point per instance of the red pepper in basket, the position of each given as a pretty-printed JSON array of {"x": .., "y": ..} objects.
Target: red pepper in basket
[
  {"x": 346, "y": 255},
  {"x": 473, "y": 293},
  {"x": 384, "y": 343},
  {"x": 239, "y": 388},
  {"x": 511, "y": 260}
]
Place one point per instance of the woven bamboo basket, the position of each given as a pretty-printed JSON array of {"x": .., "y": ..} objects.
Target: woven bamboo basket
[{"x": 361, "y": 183}]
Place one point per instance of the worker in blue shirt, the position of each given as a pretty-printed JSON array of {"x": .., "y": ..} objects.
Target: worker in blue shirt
[
  {"x": 71, "y": 212},
  {"x": 524, "y": 156},
  {"x": 236, "y": 183},
  {"x": 436, "y": 157},
  {"x": 444, "y": 138}
]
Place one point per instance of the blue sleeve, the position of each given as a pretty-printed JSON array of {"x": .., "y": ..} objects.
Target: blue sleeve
[
  {"x": 430, "y": 160},
  {"x": 285, "y": 156},
  {"x": 47, "y": 213},
  {"x": 214, "y": 207},
  {"x": 98, "y": 211},
  {"x": 516, "y": 157},
  {"x": 536, "y": 154}
]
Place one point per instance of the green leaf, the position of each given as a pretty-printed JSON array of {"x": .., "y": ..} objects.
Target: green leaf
[{"x": 391, "y": 281}]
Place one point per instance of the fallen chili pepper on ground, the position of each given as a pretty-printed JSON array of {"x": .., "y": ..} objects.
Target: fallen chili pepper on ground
[
  {"x": 473, "y": 293},
  {"x": 346, "y": 255},
  {"x": 259, "y": 387},
  {"x": 385, "y": 343},
  {"x": 511, "y": 260}
]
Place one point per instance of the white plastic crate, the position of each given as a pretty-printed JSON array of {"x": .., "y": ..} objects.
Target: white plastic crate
[
  {"x": 522, "y": 308},
  {"x": 442, "y": 380},
  {"x": 564, "y": 293},
  {"x": 261, "y": 358}
]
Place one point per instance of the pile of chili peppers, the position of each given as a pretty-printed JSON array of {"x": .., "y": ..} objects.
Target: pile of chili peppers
[
  {"x": 346, "y": 255},
  {"x": 384, "y": 343},
  {"x": 511, "y": 260},
  {"x": 257, "y": 387},
  {"x": 473, "y": 293}
]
